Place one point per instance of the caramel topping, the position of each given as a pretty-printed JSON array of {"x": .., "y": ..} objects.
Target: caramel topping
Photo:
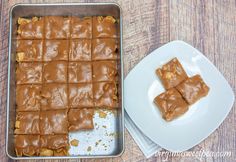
[
  {"x": 27, "y": 123},
  {"x": 171, "y": 74},
  {"x": 105, "y": 71},
  {"x": 29, "y": 73},
  {"x": 74, "y": 142},
  {"x": 104, "y": 27},
  {"x": 193, "y": 89},
  {"x": 49, "y": 122},
  {"x": 57, "y": 27},
  {"x": 104, "y": 95},
  {"x": 80, "y": 95},
  {"x": 80, "y": 119},
  {"x": 171, "y": 104}
]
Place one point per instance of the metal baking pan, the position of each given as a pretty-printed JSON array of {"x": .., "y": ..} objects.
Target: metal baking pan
[{"x": 107, "y": 139}]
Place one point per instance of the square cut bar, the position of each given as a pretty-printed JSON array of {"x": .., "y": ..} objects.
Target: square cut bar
[
  {"x": 80, "y": 72},
  {"x": 29, "y": 50},
  {"x": 55, "y": 72},
  {"x": 80, "y": 95},
  {"x": 28, "y": 97},
  {"x": 27, "y": 145},
  {"x": 57, "y": 27},
  {"x": 29, "y": 73},
  {"x": 104, "y": 27},
  {"x": 105, "y": 49},
  {"x": 105, "y": 71},
  {"x": 105, "y": 95},
  {"x": 80, "y": 119},
  {"x": 54, "y": 96},
  {"x": 54, "y": 145},
  {"x": 171, "y": 104},
  {"x": 171, "y": 74},
  {"x": 192, "y": 89},
  {"x": 80, "y": 50},
  {"x": 56, "y": 50},
  {"x": 30, "y": 28},
  {"x": 53, "y": 122},
  {"x": 81, "y": 27},
  {"x": 27, "y": 123}
]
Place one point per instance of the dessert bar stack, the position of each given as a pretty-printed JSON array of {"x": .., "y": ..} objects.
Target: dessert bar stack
[
  {"x": 66, "y": 67},
  {"x": 181, "y": 90}
]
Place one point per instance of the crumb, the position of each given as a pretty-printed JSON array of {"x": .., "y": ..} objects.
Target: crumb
[
  {"x": 74, "y": 142},
  {"x": 96, "y": 144},
  {"x": 89, "y": 148},
  {"x": 104, "y": 126},
  {"x": 102, "y": 114}
]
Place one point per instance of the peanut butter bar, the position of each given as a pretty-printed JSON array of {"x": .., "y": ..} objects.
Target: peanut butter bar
[
  {"x": 27, "y": 145},
  {"x": 80, "y": 50},
  {"x": 57, "y": 27},
  {"x": 105, "y": 95},
  {"x": 81, "y": 27},
  {"x": 171, "y": 74},
  {"x": 80, "y": 119},
  {"x": 80, "y": 95},
  {"x": 56, "y": 50},
  {"x": 80, "y": 72},
  {"x": 105, "y": 49},
  {"x": 104, "y": 27},
  {"x": 28, "y": 97},
  {"x": 30, "y": 28},
  {"x": 171, "y": 104},
  {"x": 54, "y": 145},
  {"x": 55, "y": 72},
  {"x": 29, "y": 50},
  {"x": 29, "y": 73},
  {"x": 53, "y": 122},
  {"x": 27, "y": 123},
  {"x": 54, "y": 96},
  {"x": 192, "y": 89},
  {"x": 105, "y": 71}
]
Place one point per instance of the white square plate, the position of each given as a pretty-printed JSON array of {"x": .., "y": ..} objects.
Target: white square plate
[{"x": 142, "y": 86}]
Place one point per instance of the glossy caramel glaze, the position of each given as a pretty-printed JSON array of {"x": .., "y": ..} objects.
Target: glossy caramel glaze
[
  {"x": 56, "y": 50},
  {"x": 80, "y": 72},
  {"x": 28, "y": 97},
  {"x": 104, "y": 27},
  {"x": 80, "y": 50},
  {"x": 30, "y": 28},
  {"x": 27, "y": 123},
  {"x": 49, "y": 122},
  {"x": 55, "y": 72},
  {"x": 105, "y": 49},
  {"x": 80, "y": 119},
  {"x": 80, "y": 95},
  {"x": 105, "y": 95},
  {"x": 81, "y": 27},
  {"x": 54, "y": 141},
  {"x": 171, "y": 104},
  {"x": 29, "y": 50},
  {"x": 57, "y": 27},
  {"x": 105, "y": 71},
  {"x": 28, "y": 73},
  {"x": 54, "y": 96},
  {"x": 193, "y": 89},
  {"x": 171, "y": 74},
  {"x": 27, "y": 145}
]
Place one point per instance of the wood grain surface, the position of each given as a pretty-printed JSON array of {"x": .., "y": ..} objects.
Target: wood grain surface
[{"x": 210, "y": 26}]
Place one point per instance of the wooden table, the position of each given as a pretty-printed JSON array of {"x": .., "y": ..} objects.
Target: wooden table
[{"x": 210, "y": 26}]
